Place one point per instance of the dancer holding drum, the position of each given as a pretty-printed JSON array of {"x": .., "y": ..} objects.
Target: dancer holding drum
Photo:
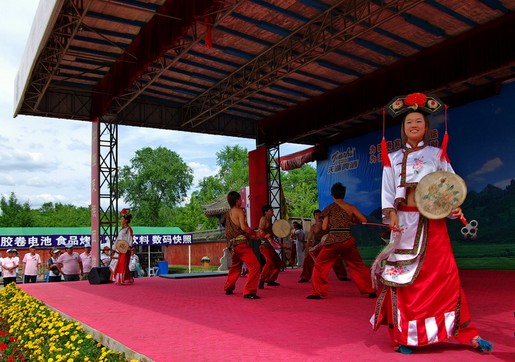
[
  {"x": 272, "y": 266},
  {"x": 422, "y": 301},
  {"x": 120, "y": 273}
]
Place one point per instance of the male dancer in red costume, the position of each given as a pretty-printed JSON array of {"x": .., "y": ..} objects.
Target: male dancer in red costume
[
  {"x": 338, "y": 218},
  {"x": 236, "y": 231},
  {"x": 273, "y": 263},
  {"x": 313, "y": 248}
]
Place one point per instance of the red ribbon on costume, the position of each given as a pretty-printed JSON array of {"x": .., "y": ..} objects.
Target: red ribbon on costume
[
  {"x": 445, "y": 141},
  {"x": 384, "y": 148}
]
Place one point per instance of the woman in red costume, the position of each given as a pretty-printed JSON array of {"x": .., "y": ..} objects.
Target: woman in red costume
[
  {"x": 422, "y": 301},
  {"x": 121, "y": 274}
]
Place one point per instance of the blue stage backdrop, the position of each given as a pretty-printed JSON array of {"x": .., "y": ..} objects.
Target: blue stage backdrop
[{"x": 480, "y": 148}]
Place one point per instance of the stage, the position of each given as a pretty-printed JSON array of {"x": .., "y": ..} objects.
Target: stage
[{"x": 185, "y": 319}]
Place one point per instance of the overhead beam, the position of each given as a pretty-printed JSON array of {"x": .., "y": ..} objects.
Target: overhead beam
[
  {"x": 68, "y": 105},
  {"x": 166, "y": 62},
  {"x": 469, "y": 55},
  {"x": 149, "y": 45},
  {"x": 324, "y": 33}
]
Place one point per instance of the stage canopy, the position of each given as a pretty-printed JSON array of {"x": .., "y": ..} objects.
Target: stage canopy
[{"x": 306, "y": 71}]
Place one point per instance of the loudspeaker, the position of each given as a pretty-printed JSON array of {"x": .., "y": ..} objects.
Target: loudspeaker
[{"x": 100, "y": 275}]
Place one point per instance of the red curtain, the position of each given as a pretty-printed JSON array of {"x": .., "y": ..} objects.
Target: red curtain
[{"x": 297, "y": 159}]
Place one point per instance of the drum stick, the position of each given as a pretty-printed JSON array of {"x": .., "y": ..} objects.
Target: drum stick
[{"x": 375, "y": 224}]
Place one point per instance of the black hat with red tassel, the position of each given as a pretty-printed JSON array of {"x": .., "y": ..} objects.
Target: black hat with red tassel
[{"x": 414, "y": 102}]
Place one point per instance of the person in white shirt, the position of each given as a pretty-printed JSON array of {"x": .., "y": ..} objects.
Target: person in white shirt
[
  {"x": 17, "y": 258},
  {"x": 87, "y": 261},
  {"x": 53, "y": 270},
  {"x": 70, "y": 264},
  {"x": 134, "y": 266},
  {"x": 105, "y": 257},
  {"x": 31, "y": 266},
  {"x": 9, "y": 267}
]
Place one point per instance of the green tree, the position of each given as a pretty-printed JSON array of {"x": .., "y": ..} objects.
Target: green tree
[
  {"x": 232, "y": 175},
  {"x": 15, "y": 214},
  {"x": 234, "y": 167},
  {"x": 59, "y": 215},
  {"x": 300, "y": 190},
  {"x": 156, "y": 178},
  {"x": 192, "y": 218}
]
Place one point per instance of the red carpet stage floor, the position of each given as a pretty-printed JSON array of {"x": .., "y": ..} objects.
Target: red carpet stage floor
[{"x": 193, "y": 320}]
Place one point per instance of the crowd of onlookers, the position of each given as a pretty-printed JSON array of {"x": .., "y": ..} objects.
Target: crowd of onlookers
[{"x": 63, "y": 264}]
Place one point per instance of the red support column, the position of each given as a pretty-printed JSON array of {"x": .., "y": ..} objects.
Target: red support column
[{"x": 258, "y": 183}]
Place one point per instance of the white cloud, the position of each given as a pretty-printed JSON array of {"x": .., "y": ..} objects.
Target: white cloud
[{"x": 487, "y": 167}]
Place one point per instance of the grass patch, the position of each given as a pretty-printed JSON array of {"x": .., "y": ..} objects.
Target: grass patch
[
  {"x": 178, "y": 269},
  {"x": 468, "y": 255}
]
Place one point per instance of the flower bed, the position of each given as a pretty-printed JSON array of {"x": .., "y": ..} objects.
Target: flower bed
[{"x": 30, "y": 331}]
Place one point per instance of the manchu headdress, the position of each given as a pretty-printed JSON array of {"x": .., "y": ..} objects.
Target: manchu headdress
[{"x": 414, "y": 102}]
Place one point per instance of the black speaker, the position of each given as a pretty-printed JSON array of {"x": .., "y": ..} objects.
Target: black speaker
[{"x": 100, "y": 275}]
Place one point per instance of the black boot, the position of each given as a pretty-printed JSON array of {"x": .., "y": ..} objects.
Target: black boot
[
  {"x": 251, "y": 296},
  {"x": 261, "y": 285}
]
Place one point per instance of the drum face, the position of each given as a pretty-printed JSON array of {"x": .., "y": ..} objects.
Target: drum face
[
  {"x": 281, "y": 228},
  {"x": 439, "y": 193},
  {"x": 122, "y": 246}
]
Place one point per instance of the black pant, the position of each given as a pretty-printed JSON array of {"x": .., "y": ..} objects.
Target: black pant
[
  {"x": 54, "y": 278},
  {"x": 30, "y": 278},
  {"x": 71, "y": 277},
  {"x": 8, "y": 281}
]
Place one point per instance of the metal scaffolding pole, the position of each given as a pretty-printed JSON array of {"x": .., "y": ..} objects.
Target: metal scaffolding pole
[
  {"x": 274, "y": 182},
  {"x": 108, "y": 181}
]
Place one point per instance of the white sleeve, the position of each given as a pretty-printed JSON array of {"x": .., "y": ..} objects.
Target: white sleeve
[
  {"x": 446, "y": 166},
  {"x": 388, "y": 192}
]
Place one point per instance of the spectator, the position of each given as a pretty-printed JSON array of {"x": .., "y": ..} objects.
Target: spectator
[
  {"x": 134, "y": 266},
  {"x": 299, "y": 238},
  {"x": 17, "y": 258},
  {"x": 105, "y": 257},
  {"x": 87, "y": 261},
  {"x": 9, "y": 267},
  {"x": 31, "y": 266},
  {"x": 70, "y": 264},
  {"x": 53, "y": 270}
]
